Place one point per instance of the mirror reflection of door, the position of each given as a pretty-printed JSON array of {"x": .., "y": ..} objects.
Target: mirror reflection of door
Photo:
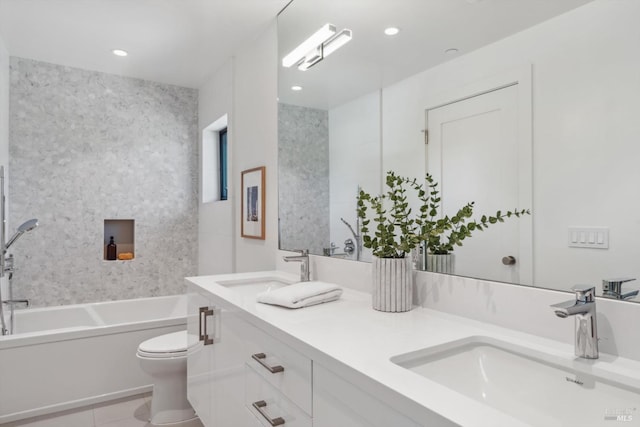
[{"x": 473, "y": 153}]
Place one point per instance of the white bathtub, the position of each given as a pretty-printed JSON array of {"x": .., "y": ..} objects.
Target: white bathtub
[{"x": 71, "y": 356}]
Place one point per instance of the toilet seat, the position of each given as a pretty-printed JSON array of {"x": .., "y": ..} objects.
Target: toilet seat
[
  {"x": 173, "y": 355},
  {"x": 164, "y": 346}
]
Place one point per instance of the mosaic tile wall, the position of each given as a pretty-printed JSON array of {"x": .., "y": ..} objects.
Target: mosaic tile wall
[
  {"x": 303, "y": 178},
  {"x": 88, "y": 146}
]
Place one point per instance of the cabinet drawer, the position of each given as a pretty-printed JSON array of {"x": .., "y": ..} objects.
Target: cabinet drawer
[
  {"x": 250, "y": 420},
  {"x": 282, "y": 367},
  {"x": 269, "y": 405}
]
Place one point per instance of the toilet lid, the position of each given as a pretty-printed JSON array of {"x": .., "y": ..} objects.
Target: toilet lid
[{"x": 175, "y": 342}]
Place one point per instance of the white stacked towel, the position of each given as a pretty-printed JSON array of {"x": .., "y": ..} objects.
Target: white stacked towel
[{"x": 302, "y": 294}]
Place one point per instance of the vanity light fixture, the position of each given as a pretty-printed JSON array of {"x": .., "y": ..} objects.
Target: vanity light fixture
[
  {"x": 119, "y": 52},
  {"x": 336, "y": 42},
  {"x": 296, "y": 88},
  {"x": 322, "y": 43},
  {"x": 391, "y": 31},
  {"x": 308, "y": 45},
  {"x": 311, "y": 59}
]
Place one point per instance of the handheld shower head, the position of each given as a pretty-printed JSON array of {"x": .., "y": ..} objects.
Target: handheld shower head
[
  {"x": 28, "y": 225},
  {"x": 25, "y": 227}
]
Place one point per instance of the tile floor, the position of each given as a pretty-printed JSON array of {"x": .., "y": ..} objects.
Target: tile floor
[{"x": 128, "y": 412}]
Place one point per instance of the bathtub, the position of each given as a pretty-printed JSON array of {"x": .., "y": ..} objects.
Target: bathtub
[{"x": 71, "y": 356}]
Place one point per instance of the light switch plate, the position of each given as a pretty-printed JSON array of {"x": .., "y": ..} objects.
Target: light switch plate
[{"x": 589, "y": 237}]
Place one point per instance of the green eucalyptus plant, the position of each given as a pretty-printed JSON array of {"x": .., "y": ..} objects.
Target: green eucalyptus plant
[{"x": 397, "y": 230}]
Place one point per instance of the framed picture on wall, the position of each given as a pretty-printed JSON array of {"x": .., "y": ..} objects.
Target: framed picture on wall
[{"x": 252, "y": 211}]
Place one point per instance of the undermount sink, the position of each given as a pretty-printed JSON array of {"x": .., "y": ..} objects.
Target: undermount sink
[{"x": 536, "y": 388}]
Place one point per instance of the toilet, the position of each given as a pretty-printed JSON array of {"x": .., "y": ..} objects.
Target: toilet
[{"x": 165, "y": 359}]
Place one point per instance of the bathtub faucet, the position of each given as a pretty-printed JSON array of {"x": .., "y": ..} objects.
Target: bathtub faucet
[
  {"x": 349, "y": 249},
  {"x": 26, "y": 302},
  {"x": 8, "y": 264}
]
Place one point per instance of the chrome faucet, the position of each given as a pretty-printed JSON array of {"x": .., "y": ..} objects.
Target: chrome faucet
[
  {"x": 612, "y": 288},
  {"x": 583, "y": 307},
  {"x": 303, "y": 259},
  {"x": 349, "y": 247}
]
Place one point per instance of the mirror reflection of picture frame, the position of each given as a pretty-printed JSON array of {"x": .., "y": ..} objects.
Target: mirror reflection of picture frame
[{"x": 252, "y": 211}]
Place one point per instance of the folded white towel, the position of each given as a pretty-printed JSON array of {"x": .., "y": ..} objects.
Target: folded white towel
[{"x": 301, "y": 294}]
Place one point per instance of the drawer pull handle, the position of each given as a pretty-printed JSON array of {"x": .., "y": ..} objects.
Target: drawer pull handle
[
  {"x": 258, "y": 357},
  {"x": 278, "y": 421}
]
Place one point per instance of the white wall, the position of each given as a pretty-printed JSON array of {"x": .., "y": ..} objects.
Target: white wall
[
  {"x": 215, "y": 219},
  {"x": 585, "y": 95},
  {"x": 256, "y": 141},
  {"x": 246, "y": 89}
]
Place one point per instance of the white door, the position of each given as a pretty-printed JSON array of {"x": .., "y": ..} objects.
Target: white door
[{"x": 475, "y": 154}]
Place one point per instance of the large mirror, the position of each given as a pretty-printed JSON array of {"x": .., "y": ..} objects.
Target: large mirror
[{"x": 510, "y": 104}]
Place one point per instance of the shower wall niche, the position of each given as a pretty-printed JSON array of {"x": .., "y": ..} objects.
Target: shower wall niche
[{"x": 123, "y": 232}]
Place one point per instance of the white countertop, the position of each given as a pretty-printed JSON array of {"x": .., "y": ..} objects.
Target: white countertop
[{"x": 356, "y": 342}]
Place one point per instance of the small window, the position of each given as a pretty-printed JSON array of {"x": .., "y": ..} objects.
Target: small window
[
  {"x": 215, "y": 162},
  {"x": 222, "y": 155}
]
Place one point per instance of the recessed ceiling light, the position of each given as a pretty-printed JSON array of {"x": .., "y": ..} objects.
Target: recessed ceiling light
[
  {"x": 296, "y": 88},
  {"x": 451, "y": 51},
  {"x": 120, "y": 52},
  {"x": 391, "y": 31}
]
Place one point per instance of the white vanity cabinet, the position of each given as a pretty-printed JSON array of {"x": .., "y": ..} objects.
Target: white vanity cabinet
[
  {"x": 294, "y": 379},
  {"x": 215, "y": 365},
  {"x": 277, "y": 380},
  {"x": 270, "y": 405},
  {"x": 250, "y": 420},
  {"x": 241, "y": 370},
  {"x": 337, "y": 402},
  {"x": 244, "y": 370},
  {"x": 198, "y": 359}
]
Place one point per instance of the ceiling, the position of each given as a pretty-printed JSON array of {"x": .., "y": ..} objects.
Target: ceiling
[
  {"x": 182, "y": 42},
  {"x": 372, "y": 60},
  {"x": 179, "y": 42}
]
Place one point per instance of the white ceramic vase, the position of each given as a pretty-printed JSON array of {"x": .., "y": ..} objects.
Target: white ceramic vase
[
  {"x": 440, "y": 263},
  {"x": 392, "y": 284}
]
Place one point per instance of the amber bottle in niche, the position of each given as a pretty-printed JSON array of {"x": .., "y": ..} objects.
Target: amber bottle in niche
[{"x": 111, "y": 250}]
